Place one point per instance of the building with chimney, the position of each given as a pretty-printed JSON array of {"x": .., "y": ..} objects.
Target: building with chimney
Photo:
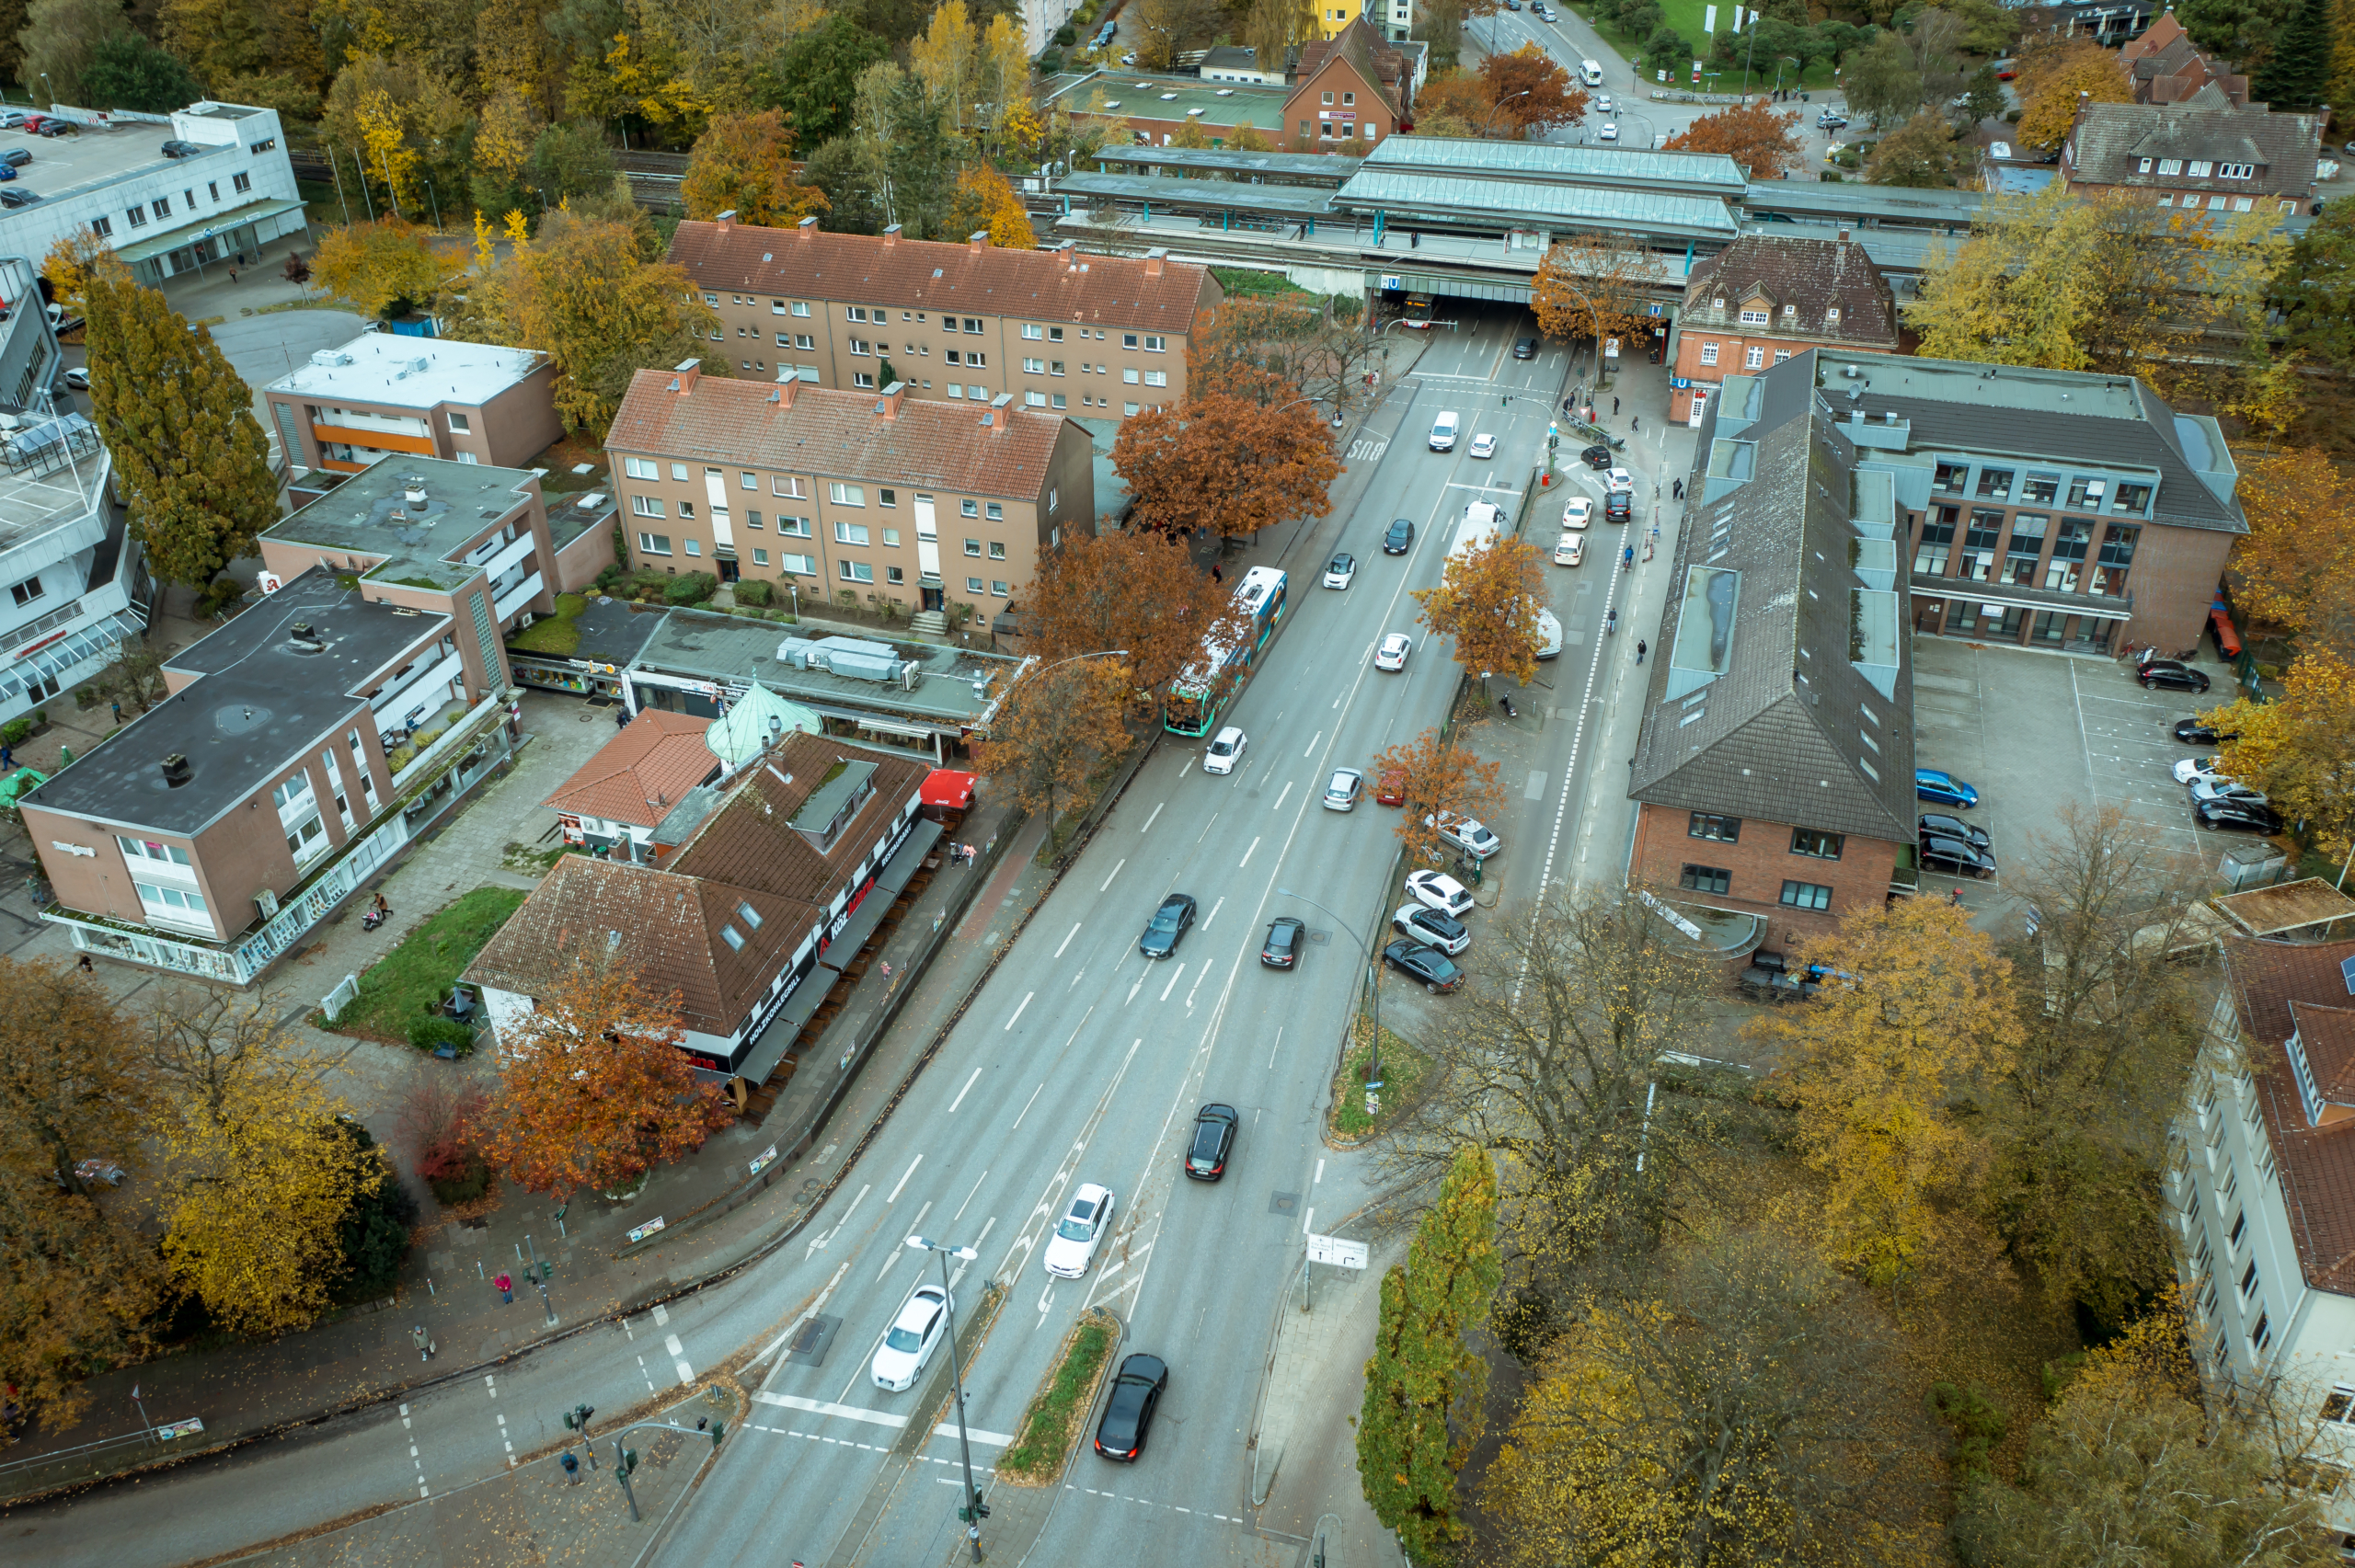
[
  {"x": 2205, "y": 157},
  {"x": 382, "y": 396},
  {"x": 1768, "y": 297},
  {"x": 2166, "y": 68}
]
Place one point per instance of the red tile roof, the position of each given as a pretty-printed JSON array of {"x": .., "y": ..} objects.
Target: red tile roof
[
  {"x": 1132, "y": 292},
  {"x": 2318, "y": 1164},
  {"x": 746, "y": 840},
  {"x": 838, "y": 434},
  {"x": 638, "y": 776}
]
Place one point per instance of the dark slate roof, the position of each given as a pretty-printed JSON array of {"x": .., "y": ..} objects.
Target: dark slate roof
[
  {"x": 1778, "y": 737},
  {"x": 1816, "y": 275},
  {"x": 2111, "y": 139},
  {"x": 2318, "y": 1164}
]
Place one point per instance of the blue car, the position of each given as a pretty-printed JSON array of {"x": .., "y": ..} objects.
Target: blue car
[{"x": 1943, "y": 788}]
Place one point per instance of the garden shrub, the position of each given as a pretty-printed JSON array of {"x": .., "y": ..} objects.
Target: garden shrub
[
  {"x": 430, "y": 1033},
  {"x": 690, "y": 588},
  {"x": 758, "y": 594}
]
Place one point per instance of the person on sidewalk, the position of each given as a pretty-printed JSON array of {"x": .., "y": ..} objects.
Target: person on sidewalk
[
  {"x": 424, "y": 1341},
  {"x": 85, "y": 965},
  {"x": 571, "y": 1469},
  {"x": 1614, "y": 407},
  {"x": 1635, "y": 423},
  {"x": 383, "y": 909},
  {"x": 1639, "y": 650},
  {"x": 506, "y": 1289}
]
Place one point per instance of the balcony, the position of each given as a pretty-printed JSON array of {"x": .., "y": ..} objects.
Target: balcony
[
  {"x": 393, "y": 706},
  {"x": 516, "y": 549},
  {"x": 518, "y": 597}
]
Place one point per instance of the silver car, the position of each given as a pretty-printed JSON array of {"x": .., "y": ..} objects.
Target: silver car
[
  {"x": 1467, "y": 833},
  {"x": 1341, "y": 794}
]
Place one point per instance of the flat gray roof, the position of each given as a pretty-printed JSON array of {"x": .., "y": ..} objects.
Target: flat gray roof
[
  {"x": 709, "y": 646},
  {"x": 1330, "y": 169},
  {"x": 1547, "y": 162},
  {"x": 369, "y": 514},
  {"x": 1886, "y": 203},
  {"x": 1291, "y": 200},
  {"x": 1512, "y": 203}
]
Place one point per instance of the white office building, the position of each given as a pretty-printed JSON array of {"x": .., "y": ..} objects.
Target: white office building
[{"x": 231, "y": 188}]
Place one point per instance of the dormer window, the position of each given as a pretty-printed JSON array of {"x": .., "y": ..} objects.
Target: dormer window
[
  {"x": 847, "y": 786},
  {"x": 1790, "y": 312},
  {"x": 1831, "y": 317},
  {"x": 1754, "y": 316}
]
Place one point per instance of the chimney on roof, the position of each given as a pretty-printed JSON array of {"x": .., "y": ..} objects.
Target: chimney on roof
[
  {"x": 685, "y": 375},
  {"x": 1000, "y": 418},
  {"x": 807, "y": 227},
  {"x": 1845, "y": 232},
  {"x": 1153, "y": 261},
  {"x": 978, "y": 241},
  {"x": 891, "y": 234},
  {"x": 725, "y": 219},
  {"x": 886, "y": 407},
  {"x": 788, "y": 382}
]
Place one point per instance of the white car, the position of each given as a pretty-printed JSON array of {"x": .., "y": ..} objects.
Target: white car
[
  {"x": 1392, "y": 654},
  {"x": 1610, "y": 130},
  {"x": 1344, "y": 567},
  {"x": 914, "y": 1335},
  {"x": 1467, "y": 833},
  {"x": 1081, "y": 1229},
  {"x": 1483, "y": 445},
  {"x": 2192, "y": 769},
  {"x": 1578, "y": 512},
  {"x": 1435, "y": 890},
  {"x": 78, "y": 379},
  {"x": 2225, "y": 789},
  {"x": 1602, "y": 104},
  {"x": 1225, "y": 747},
  {"x": 1569, "y": 550},
  {"x": 1428, "y": 926},
  {"x": 1130, "y": 58},
  {"x": 1619, "y": 479}
]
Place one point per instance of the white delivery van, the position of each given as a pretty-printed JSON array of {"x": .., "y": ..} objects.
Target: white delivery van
[
  {"x": 1444, "y": 432},
  {"x": 1590, "y": 72},
  {"x": 1549, "y": 635},
  {"x": 1481, "y": 523}
]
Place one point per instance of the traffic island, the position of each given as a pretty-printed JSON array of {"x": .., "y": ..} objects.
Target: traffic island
[
  {"x": 1359, "y": 1114},
  {"x": 1042, "y": 1443}
]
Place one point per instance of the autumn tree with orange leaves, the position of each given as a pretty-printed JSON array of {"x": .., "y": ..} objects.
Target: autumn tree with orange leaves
[
  {"x": 1487, "y": 601},
  {"x": 1228, "y": 463},
  {"x": 744, "y": 164},
  {"x": 2296, "y": 567},
  {"x": 1757, "y": 135},
  {"x": 1127, "y": 588},
  {"x": 1531, "y": 91},
  {"x": 1593, "y": 280},
  {"x": 1436, "y": 776},
  {"x": 593, "y": 1089}
]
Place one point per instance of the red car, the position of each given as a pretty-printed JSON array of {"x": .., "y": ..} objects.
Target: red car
[{"x": 1392, "y": 790}]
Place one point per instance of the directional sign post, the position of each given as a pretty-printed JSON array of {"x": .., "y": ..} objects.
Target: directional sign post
[{"x": 1333, "y": 1250}]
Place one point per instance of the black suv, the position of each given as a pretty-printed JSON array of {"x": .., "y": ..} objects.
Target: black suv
[
  {"x": 1618, "y": 505},
  {"x": 1596, "y": 456},
  {"x": 1434, "y": 968},
  {"x": 1526, "y": 349},
  {"x": 178, "y": 149},
  {"x": 1400, "y": 537}
]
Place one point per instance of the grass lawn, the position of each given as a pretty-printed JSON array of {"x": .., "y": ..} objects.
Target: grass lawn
[
  {"x": 1045, "y": 1435},
  {"x": 402, "y": 986},
  {"x": 552, "y": 634},
  {"x": 1403, "y": 1066},
  {"x": 1686, "y": 16}
]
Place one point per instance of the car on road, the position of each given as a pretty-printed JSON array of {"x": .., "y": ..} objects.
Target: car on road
[
  {"x": 1168, "y": 923},
  {"x": 1392, "y": 789},
  {"x": 1400, "y": 536},
  {"x": 1577, "y": 512},
  {"x": 1619, "y": 480},
  {"x": 1938, "y": 825},
  {"x": 1439, "y": 891},
  {"x": 1417, "y": 961},
  {"x": 1541, "y": 11},
  {"x": 1942, "y": 788},
  {"x": 1341, "y": 791},
  {"x": 1569, "y": 549},
  {"x": 1467, "y": 833},
  {"x": 1443, "y": 430},
  {"x": 1955, "y": 857},
  {"x": 2227, "y": 789},
  {"x": 1392, "y": 654},
  {"x": 1214, "y": 1130},
  {"x": 1129, "y": 57},
  {"x": 913, "y": 1337},
  {"x": 2171, "y": 675},
  {"x": 78, "y": 379},
  {"x": 1511, "y": 5},
  {"x": 1483, "y": 445},
  {"x": 1602, "y": 104},
  {"x": 1137, "y": 1388},
  {"x": 1828, "y": 120},
  {"x": 1432, "y": 929},
  {"x": 1285, "y": 935},
  {"x": 1618, "y": 505},
  {"x": 1226, "y": 748},
  {"x": 1609, "y": 132},
  {"x": 1079, "y": 1232},
  {"x": 2196, "y": 731},
  {"x": 2236, "y": 815},
  {"x": 1525, "y": 348},
  {"x": 2191, "y": 770},
  {"x": 1596, "y": 456},
  {"x": 1343, "y": 568}
]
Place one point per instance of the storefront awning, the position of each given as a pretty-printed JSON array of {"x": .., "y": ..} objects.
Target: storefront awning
[
  {"x": 950, "y": 788},
  {"x": 863, "y": 922},
  {"x": 153, "y": 246},
  {"x": 770, "y": 1046},
  {"x": 894, "y": 877}
]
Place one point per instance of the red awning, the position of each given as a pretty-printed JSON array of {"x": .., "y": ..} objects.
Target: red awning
[{"x": 947, "y": 787}]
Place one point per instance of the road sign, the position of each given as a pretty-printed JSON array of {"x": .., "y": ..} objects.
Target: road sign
[{"x": 1335, "y": 1250}]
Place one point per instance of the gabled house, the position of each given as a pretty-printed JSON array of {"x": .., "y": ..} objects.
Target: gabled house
[
  {"x": 1768, "y": 297},
  {"x": 2206, "y": 154},
  {"x": 1349, "y": 91},
  {"x": 2168, "y": 68},
  {"x": 620, "y": 796}
]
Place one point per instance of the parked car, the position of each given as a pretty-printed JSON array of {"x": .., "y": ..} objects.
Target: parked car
[
  {"x": 1128, "y": 1412},
  {"x": 1942, "y": 788},
  {"x": 1341, "y": 791},
  {"x": 1955, "y": 857},
  {"x": 1390, "y": 656},
  {"x": 2171, "y": 675},
  {"x": 1483, "y": 445},
  {"x": 913, "y": 1337},
  {"x": 2227, "y": 789},
  {"x": 2196, "y": 731},
  {"x": 1226, "y": 749},
  {"x": 8, "y": 171},
  {"x": 1401, "y": 535},
  {"x": 1080, "y": 1231},
  {"x": 1525, "y": 348},
  {"x": 179, "y": 149},
  {"x": 2236, "y": 815},
  {"x": 1467, "y": 833},
  {"x": 1577, "y": 512},
  {"x": 12, "y": 119},
  {"x": 1168, "y": 923},
  {"x": 54, "y": 127},
  {"x": 1439, "y": 891},
  {"x": 16, "y": 155},
  {"x": 1214, "y": 1130},
  {"x": 1945, "y": 826},
  {"x": 17, "y": 196},
  {"x": 1286, "y": 934},
  {"x": 1434, "y": 968},
  {"x": 1432, "y": 929},
  {"x": 1596, "y": 456},
  {"x": 1343, "y": 568},
  {"x": 1569, "y": 550}
]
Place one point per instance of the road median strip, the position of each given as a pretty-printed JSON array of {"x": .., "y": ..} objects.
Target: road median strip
[{"x": 1042, "y": 1442}]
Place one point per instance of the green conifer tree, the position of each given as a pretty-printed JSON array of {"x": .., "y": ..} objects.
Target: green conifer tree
[
  {"x": 190, "y": 458},
  {"x": 1421, "y": 1370},
  {"x": 2297, "y": 74}
]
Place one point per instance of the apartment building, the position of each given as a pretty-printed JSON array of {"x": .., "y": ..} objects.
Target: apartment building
[
  {"x": 1774, "y": 771},
  {"x": 2206, "y": 154},
  {"x": 1100, "y": 337},
  {"x": 2047, "y": 509},
  {"x": 2166, "y": 67},
  {"x": 873, "y": 494},
  {"x": 77, "y": 582},
  {"x": 382, "y": 396},
  {"x": 208, "y": 834},
  {"x": 2261, "y": 1183},
  {"x": 1768, "y": 297}
]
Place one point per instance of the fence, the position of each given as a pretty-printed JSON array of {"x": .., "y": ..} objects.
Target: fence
[{"x": 336, "y": 1000}]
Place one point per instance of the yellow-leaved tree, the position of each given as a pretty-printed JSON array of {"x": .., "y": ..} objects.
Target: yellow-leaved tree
[
  {"x": 2300, "y": 748},
  {"x": 984, "y": 201},
  {"x": 377, "y": 265},
  {"x": 1593, "y": 282},
  {"x": 72, "y": 262},
  {"x": 2296, "y": 567},
  {"x": 2050, "y": 86},
  {"x": 1489, "y": 599},
  {"x": 743, "y": 163}
]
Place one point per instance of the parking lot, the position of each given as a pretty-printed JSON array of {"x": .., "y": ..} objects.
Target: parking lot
[{"x": 2037, "y": 731}]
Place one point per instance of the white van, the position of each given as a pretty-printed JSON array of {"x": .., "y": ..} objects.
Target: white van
[
  {"x": 1549, "y": 635},
  {"x": 1590, "y": 72},
  {"x": 1444, "y": 432}
]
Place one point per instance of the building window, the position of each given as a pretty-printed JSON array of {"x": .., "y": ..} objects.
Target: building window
[
  {"x": 2042, "y": 490},
  {"x": 103, "y": 225},
  {"x": 997, "y": 550},
  {"x": 751, "y": 518},
  {"x": 1034, "y": 400},
  {"x": 1033, "y": 333},
  {"x": 890, "y": 539},
  {"x": 26, "y": 591},
  {"x": 1950, "y": 477},
  {"x": 862, "y": 379},
  {"x": 798, "y": 566},
  {"x": 1129, "y": 374},
  {"x": 789, "y": 486},
  {"x": 850, "y": 312},
  {"x": 1707, "y": 879},
  {"x": 1752, "y": 358},
  {"x": 1057, "y": 401},
  {"x": 1706, "y": 825},
  {"x": 969, "y": 508},
  {"x": 2117, "y": 558},
  {"x": 1128, "y": 409},
  {"x": 973, "y": 585},
  {"x": 694, "y": 546},
  {"x": 994, "y": 511},
  {"x": 2067, "y": 566},
  {"x": 161, "y": 206},
  {"x": 799, "y": 308},
  {"x": 640, "y": 468},
  {"x": 850, "y": 534},
  {"x": 1806, "y": 895},
  {"x": 291, "y": 790},
  {"x": 137, "y": 215},
  {"x": 856, "y": 571},
  {"x": 1822, "y": 846},
  {"x": 241, "y": 183},
  {"x": 1938, "y": 534},
  {"x": 1033, "y": 367},
  {"x": 1157, "y": 378},
  {"x": 1979, "y": 544},
  {"x": 846, "y": 495},
  {"x": 760, "y": 557},
  {"x": 973, "y": 548},
  {"x": 2170, "y": 166},
  {"x": 2131, "y": 499},
  {"x": 299, "y": 840},
  {"x": 172, "y": 904},
  {"x": 1995, "y": 484},
  {"x": 794, "y": 526},
  {"x": 1753, "y": 318},
  {"x": 147, "y": 848},
  {"x": 893, "y": 573},
  {"x": 1708, "y": 353},
  {"x": 1781, "y": 354},
  {"x": 998, "y": 590},
  {"x": 653, "y": 544},
  {"x": 2027, "y": 547}
]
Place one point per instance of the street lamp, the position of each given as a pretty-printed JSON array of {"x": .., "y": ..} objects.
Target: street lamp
[
  {"x": 1373, "y": 983},
  {"x": 972, "y": 1511},
  {"x": 1497, "y": 105}
]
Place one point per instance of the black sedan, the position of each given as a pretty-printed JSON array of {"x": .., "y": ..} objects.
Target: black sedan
[
  {"x": 2197, "y": 732},
  {"x": 1168, "y": 923},
  {"x": 2236, "y": 815},
  {"x": 1417, "y": 961},
  {"x": 1285, "y": 936},
  {"x": 2171, "y": 675},
  {"x": 1596, "y": 456},
  {"x": 1401, "y": 535},
  {"x": 1128, "y": 1414},
  {"x": 1214, "y": 1128},
  {"x": 1526, "y": 349},
  {"x": 1938, "y": 825},
  {"x": 1956, "y": 858}
]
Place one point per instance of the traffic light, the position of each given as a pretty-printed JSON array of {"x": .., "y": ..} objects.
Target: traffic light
[
  {"x": 577, "y": 1418},
  {"x": 979, "y": 1510},
  {"x": 629, "y": 1461},
  {"x": 1505, "y": 402},
  {"x": 718, "y": 1428}
]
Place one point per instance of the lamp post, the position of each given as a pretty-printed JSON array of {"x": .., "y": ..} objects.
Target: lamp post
[
  {"x": 1373, "y": 983},
  {"x": 1497, "y": 105},
  {"x": 972, "y": 1511}
]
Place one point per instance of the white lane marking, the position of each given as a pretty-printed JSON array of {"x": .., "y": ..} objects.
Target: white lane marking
[
  {"x": 1149, "y": 821},
  {"x": 1276, "y": 1047},
  {"x": 1312, "y": 747},
  {"x": 825, "y": 1407},
  {"x": 818, "y": 1242},
  {"x": 662, "y": 1315},
  {"x": 965, "y": 1091},
  {"x": 1215, "y": 908},
  {"x": 915, "y": 1227},
  {"x": 1246, "y": 854},
  {"x": 903, "y": 1179},
  {"x": 1198, "y": 985},
  {"x": 1134, "y": 988},
  {"x": 1026, "y": 1106},
  {"x": 1108, "y": 880},
  {"x": 671, "y": 1344},
  {"x": 1050, "y": 1196},
  {"x": 1306, "y": 1220},
  {"x": 1075, "y": 932},
  {"x": 1175, "y": 975},
  {"x": 1320, "y": 1172},
  {"x": 1278, "y": 806},
  {"x": 969, "y": 1196},
  {"x": 1017, "y": 1011}
]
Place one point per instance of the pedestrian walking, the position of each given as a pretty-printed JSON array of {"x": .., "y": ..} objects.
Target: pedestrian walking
[
  {"x": 887, "y": 970},
  {"x": 8, "y": 758},
  {"x": 1637, "y": 423},
  {"x": 1216, "y": 576},
  {"x": 571, "y": 1469},
  {"x": 233, "y": 275},
  {"x": 506, "y": 1289},
  {"x": 85, "y": 965},
  {"x": 424, "y": 1341},
  {"x": 117, "y": 712},
  {"x": 1953, "y": 896},
  {"x": 1639, "y": 650},
  {"x": 621, "y": 715},
  {"x": 1614, "y": 407}
]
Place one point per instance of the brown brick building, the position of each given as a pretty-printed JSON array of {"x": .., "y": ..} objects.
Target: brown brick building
[
  {"x": 1348, "y": 92},
  {"x": 2206, "y": 154},
  {"x": 2168, "y": 68},
  {"x": 1768, "y": 297},
  {"x": 1100, "y": 337}
]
